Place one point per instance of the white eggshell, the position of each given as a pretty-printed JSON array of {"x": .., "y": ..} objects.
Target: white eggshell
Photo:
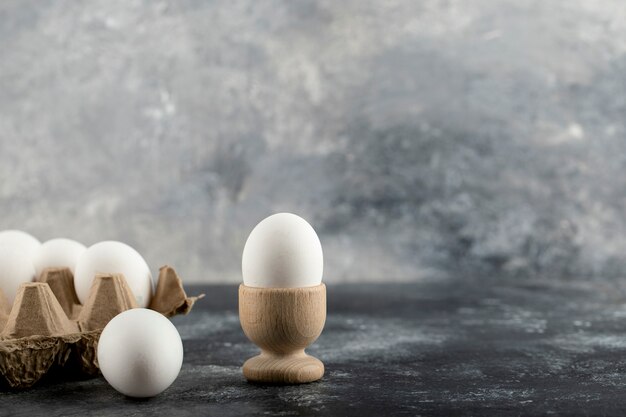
[
  {"x": 283, "y": 251},
  {"x": 59, "y": 253},
  {"x": 15, "y": 268},
  {"x": 140, "y": 353},
  {"x": 112, "y": 257},
  {"x": 21, "y": 241}
]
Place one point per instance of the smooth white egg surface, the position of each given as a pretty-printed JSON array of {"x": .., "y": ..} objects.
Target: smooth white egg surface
[
  {"x": 15, "y": 268},
  {"x": 283, "y": 251},
  {"x": 111, "y": 257},
  {"x": 21, "y": 241},
  {"x": 140, "y": 353},
  {"x": 58, "y": 253}
]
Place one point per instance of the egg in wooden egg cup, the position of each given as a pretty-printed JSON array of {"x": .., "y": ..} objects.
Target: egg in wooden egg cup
[{"x": 282, "y": 302}]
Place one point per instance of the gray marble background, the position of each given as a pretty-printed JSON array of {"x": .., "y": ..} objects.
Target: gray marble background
[{"x": 418, "y": 137}]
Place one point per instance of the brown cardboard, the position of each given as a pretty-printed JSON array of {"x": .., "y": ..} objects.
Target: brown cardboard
[
  {"x": 36, "y": 312},
  {"x": 46, "y": 328},
  {"x": 108, "y": 297},
  {"x": 5, "y": 309},
  {"x": 169, "y": 298},
  {"x": 61, "y": 282}
]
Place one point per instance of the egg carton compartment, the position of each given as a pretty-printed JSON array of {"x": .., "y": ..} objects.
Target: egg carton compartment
[{"x": 46, "y": 329}]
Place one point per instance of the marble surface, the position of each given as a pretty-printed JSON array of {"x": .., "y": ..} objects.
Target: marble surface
[
  {"x": 440, "y": 347},
  {"x": 419, "y": 138}
]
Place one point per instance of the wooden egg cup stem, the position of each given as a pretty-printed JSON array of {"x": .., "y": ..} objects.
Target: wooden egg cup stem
[{"x": 282, "y": 322}]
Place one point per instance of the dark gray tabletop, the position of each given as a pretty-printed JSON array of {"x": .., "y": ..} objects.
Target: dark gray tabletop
[{"x": 439, "y": 347}]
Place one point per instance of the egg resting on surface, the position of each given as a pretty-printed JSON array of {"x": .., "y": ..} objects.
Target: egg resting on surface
[
  {"x": 58, "y": 253},
  {"x": 282, "y": 251},
  {"x": 16, "y": 268},
  {"x": 140, "y": 353},
  {"x": 21, "y": 241},
  {"x": 111, "y": 257}
]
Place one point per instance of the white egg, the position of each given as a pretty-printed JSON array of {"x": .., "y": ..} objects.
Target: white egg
[
  {"x": 15, "y": 268},
  {"x": 58, "y": 253},
  {"x": 283, "y": 251},
  {"x": 21, "y": 241},
  {"x": 140, "y": 353},
  {"x": 112, "y": 257}
]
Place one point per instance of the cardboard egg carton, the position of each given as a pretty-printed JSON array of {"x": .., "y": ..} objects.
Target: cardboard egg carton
[{"x": 47, "y": 329}]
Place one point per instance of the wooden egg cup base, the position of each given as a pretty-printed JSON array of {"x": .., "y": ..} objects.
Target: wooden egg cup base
[
  {"x": 295, "y": 368},
  {"x": 282, "y": 322}
]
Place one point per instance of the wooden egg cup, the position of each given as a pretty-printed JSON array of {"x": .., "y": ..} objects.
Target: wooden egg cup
[{"x": 282, "y": 322}]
